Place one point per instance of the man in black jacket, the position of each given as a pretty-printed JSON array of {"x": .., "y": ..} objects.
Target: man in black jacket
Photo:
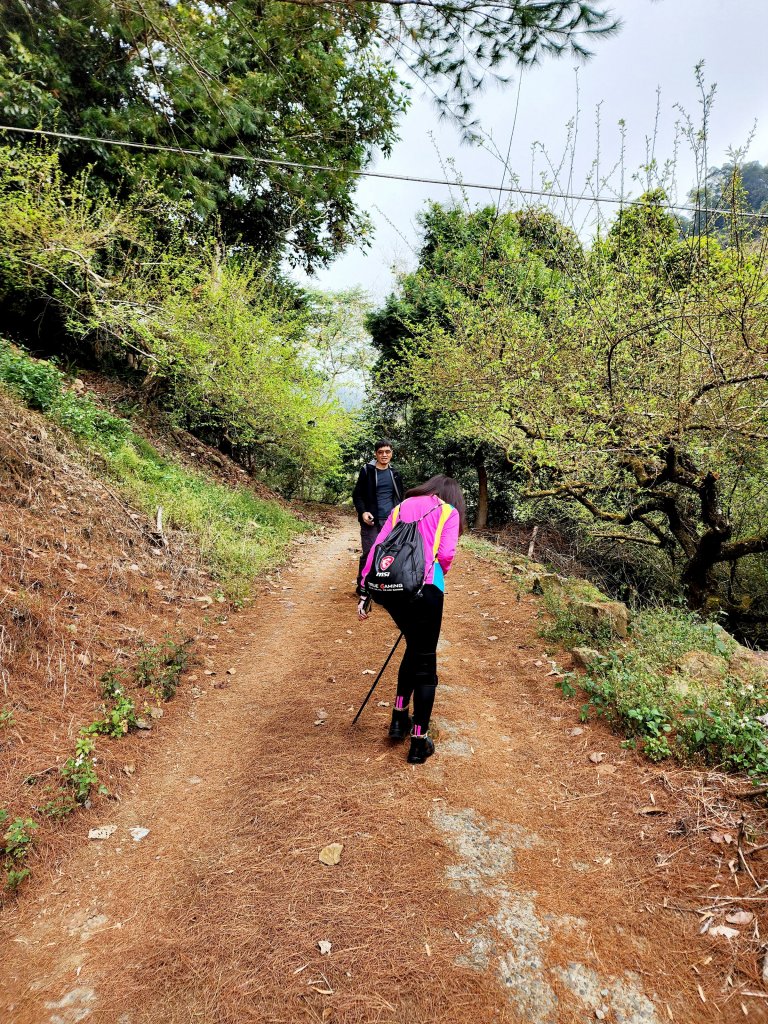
[{"x": 378, "y": 489}]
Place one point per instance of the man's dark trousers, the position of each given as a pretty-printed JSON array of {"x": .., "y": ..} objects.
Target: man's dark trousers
[{"x": 368, "y": 535}]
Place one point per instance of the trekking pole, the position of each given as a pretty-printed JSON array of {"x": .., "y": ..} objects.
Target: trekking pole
[{"x": 376, "y": 680}]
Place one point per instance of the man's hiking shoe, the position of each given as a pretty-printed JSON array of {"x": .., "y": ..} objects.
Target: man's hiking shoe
[
  {"x": 422, "y": 747},
  {"x": 401, "y": 725}
]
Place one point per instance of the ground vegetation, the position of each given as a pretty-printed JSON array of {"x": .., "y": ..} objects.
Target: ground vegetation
[{"x": 236, "y": 532}]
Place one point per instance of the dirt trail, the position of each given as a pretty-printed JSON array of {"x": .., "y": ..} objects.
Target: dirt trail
[{"x": 506, "y": 880}]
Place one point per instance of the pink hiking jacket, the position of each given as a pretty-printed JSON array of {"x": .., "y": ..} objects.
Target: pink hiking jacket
[{"x": 412, "y": 509}]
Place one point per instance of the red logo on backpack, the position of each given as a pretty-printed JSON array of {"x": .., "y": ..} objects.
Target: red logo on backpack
[{"x": 386, "y": 562}]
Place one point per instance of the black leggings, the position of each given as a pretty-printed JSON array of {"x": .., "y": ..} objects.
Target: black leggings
[{"x": 419, "y": 621}]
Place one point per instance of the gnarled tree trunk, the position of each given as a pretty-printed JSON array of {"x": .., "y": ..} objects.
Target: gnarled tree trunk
[{"x": 481, "y": 519}]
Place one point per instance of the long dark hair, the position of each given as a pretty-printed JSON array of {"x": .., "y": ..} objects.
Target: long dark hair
[{"x": 446, "y": 488}]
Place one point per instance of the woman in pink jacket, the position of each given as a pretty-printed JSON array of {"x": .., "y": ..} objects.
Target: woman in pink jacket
[{"x": 420, "y": 619}]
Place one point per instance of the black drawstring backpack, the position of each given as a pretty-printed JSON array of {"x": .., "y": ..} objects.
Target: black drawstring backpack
[{"x": 399, "y": 565}]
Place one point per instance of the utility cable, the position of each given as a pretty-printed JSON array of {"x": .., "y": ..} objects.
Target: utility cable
[{"x": 353, "y": 172}]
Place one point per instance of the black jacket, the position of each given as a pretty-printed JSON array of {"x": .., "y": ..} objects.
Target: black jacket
[{"x": 364, "y": 494}]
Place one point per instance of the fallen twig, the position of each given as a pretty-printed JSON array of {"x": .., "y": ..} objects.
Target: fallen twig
[
  {"x": 740, "y": 851},
  {"x": 752, "y": 794},
  {"x": 680, "y": 910},
  {"x": 734, "y": 899},
  {"x": 36, "y": 775},
  {"x": 311, "y": 1009}
]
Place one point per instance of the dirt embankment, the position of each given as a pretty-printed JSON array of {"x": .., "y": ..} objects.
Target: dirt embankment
[
  {"x": 85, "y": 581},
  {"x": 512, "y": 878}
]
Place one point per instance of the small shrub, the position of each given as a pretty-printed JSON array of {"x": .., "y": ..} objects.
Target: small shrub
[
  {"x": 565, "y": 685},
  {"x": 633, "y": 689},
  {"x": 79, "y": 771},
  {"x": 568, "y": 628},
  {"x": 657, "y": 748},
  {"x": 17, "y": 843},
  {"x": 727, "y": 734},
  {"x": 14, "y": 877},
  {"x": 6, "y": 718},
  {"x": 650, "y": 721},
  {"x": 18, "y": 838},
  {"x": 36, "y": 382},
  {"x": 120, "y": 717},
  {"x": 160, "y": 666},
  {"x": 59, "y": 805}
]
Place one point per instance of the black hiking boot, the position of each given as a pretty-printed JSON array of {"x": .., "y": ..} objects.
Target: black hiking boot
[
  {"x": 422, "y": 747},
  {"x": 400, "y": 725}
]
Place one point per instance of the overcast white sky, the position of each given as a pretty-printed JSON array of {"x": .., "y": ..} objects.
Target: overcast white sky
[{"x": 659, "y": 46}]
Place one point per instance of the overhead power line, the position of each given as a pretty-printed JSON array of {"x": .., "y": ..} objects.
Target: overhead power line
[{"x": 208, "y": 154}]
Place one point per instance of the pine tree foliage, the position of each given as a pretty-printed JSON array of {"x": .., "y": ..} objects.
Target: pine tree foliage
[
  {"x": 307, "y": 81},
  {"x": 287, "y": 83},
  {"x": 457, "y": 45},
  {"x": 462, "y": 44}
]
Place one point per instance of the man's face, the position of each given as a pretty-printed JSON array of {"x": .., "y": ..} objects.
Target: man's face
[{"x": 384, "y": 456}]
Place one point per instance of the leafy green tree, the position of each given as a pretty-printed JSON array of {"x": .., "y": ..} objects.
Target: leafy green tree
[
  {"x": 735, "y": 186},
  {"x": 213, "y": 338},
  {"x": 288, "y": 83},
  {"x": 460, "y": 263},
  {"x": 303, "y": 82},
  {"x": 630, "y": 380},
  {"x": 337, "y": 342}
]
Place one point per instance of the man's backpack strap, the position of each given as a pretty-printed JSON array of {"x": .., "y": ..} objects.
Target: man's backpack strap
[{"x": 445, "y": 512}]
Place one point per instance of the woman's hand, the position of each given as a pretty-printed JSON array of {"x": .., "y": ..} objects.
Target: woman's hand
[{"x": 364, "y": 608}]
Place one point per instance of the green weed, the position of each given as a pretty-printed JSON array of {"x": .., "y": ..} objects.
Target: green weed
[
  {"x": 79, "y": 771},
  {"x": 120, "y": 715},
  {"x": 159, "y": 667},
  {"x": 43, "y": 387},
  {"x": 14, "y": 877},
  {"x": 565, "y": 626},
  {"x": 639, "y": 692},
  {"x": 17, "y": 842},
  {"x": 18, "y": 838},
  {"x": 565, "y": 685},
  {"x": 58, "y": 806}
]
